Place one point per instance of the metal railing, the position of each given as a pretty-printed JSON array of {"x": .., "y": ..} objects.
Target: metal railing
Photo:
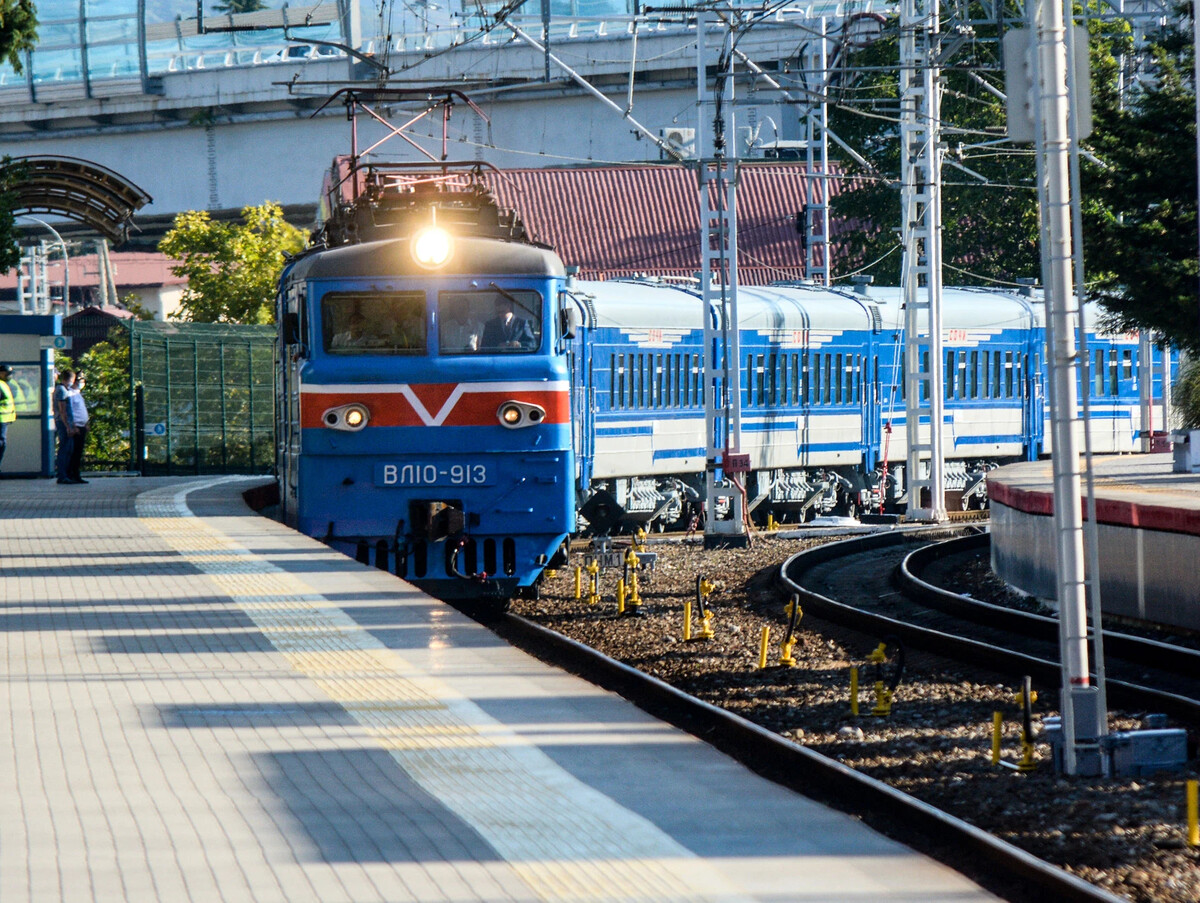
[{"x": 202, "y": 398}]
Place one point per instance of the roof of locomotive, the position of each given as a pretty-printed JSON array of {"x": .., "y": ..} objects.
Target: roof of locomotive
[{"x": 391, "y": 257}]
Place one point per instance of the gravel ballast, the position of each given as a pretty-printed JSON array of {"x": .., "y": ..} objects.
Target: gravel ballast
[{"x": 1128, "y": 836}]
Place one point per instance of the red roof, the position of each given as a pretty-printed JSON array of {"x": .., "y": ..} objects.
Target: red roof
[
  {"x": 609, "y": 221},
  {"x": 620, "y": 220},
  {"x": 132, "y": 269}
]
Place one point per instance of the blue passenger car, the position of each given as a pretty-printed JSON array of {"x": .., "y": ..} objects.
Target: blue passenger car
[{"x": 823, "y": 409}]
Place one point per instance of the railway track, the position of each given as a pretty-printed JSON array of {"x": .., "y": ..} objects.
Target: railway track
[
  {"x": 873, "y": 584},
  {"x": 752, "y": 715},
  {"x": 1011, "y": 873}
]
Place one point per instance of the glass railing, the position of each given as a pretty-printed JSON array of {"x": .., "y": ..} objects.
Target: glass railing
[{"x": 107, "y": 41}]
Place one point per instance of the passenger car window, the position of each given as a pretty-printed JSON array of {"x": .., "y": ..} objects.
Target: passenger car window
[{"x": 373, "y": 323}]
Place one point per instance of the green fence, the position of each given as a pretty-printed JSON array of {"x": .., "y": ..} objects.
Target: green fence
[{"x": 203, "y": 398}]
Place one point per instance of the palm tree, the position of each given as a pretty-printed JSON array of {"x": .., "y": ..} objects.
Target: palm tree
[{"x": 240, "y": 6}]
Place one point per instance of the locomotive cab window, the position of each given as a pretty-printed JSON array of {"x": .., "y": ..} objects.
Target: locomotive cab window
[
  {"x": 373, "y": 322},
  {"x": 499, "y": 321}
]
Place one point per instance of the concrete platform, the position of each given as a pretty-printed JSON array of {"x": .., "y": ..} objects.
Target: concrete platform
[
  {"x": 201, "y": 704},
  {"x": 1148, "y": 521}
]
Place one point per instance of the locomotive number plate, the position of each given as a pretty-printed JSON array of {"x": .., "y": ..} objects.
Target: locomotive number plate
[{"x": 440, "y": 474}]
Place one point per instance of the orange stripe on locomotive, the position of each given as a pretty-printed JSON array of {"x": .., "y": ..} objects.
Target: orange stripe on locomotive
[{"x": 434, "y": 407}]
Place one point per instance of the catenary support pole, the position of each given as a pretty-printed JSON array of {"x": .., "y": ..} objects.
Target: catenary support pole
[
  {"x": 1062, "y": 315},
  {"x": 921, "y": 265},
  {"x": 717, "y": 171}
]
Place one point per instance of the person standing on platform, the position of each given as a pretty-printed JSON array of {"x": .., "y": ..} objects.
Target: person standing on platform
[
  {"x": 79, "y": 428},
  {"x": 8, "y": 407},
  {"x": 62, "y": 423}
]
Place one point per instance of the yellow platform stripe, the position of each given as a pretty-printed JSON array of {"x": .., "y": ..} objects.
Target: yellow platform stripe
[{"x": 566, "y": 841}]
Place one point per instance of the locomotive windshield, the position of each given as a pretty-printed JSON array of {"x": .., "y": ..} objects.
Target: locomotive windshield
[
  {"x": 373, "y": 323},
  {"x": 494, "y": 321}
]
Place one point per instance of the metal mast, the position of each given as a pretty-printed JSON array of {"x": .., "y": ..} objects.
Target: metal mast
[
  {"x": 815, "y": 216},
  {"x": 717, "y": 169},
  {"x": 921, "y": 268},
  {"x": 816, "y": 211}
]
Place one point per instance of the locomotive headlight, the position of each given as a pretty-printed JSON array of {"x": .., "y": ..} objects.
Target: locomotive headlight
[
  {"x": 431, "y": 247},
  {"x": 516, "y": 414},
  {"x": 349, "y": 418}
]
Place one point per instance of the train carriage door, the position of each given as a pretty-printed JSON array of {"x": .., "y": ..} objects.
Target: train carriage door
[
  {"x": 583, "y": 396},
  {"x": 1102, "y": 422},
  {"x": 868, "y": 392},
  {"x": 1034, "y": 404},
  {"x": 869, "y": 407}
]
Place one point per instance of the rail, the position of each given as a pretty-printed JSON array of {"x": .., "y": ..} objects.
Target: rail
[
  {"x": 1139, "y": 650},
  {"x": 950, "y": 645},
  {"x": 999, "y": 866}
]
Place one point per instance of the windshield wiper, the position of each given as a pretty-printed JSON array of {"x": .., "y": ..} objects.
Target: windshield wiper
[{"x": 513, "y": 298}]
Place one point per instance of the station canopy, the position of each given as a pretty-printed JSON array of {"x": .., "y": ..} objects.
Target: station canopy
[{"x": 80, "y": 191}]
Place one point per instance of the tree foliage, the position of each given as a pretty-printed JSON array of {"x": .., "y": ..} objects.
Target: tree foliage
[
  {"x": 1140, "y": 206},
  {"x": 18, "y": 30},
  {"x": 989, "y": 214},
  {"x": 106, "y": 366},
  {"x": 240, "y": 6},
  {"x": 989, "y": 206},
  {"x": 1186, "y": 394},
  {"x": 11, "y": 175},
  {"x": 18, "y": 33},
  {"x": 231, "y": 268}
]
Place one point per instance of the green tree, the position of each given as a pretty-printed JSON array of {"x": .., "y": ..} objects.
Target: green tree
[
  {"x": 231, "y": 268},
  {"x": 240, "y": 6},
  {"x": 1186, "y": 394},
  {"x": 11, "y": 175},
  {"x": 1140, "y": 206},
  {"x": 18, "y": 30},
  {"x": 106, "y": 366},
  {"x": 989, "y": 201},
  {"x": 989, "y": 206}
]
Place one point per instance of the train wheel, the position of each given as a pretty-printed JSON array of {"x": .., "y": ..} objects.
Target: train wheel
[
  {"x": 532, "y": 592},
  {"x": 491, "y": 607}
]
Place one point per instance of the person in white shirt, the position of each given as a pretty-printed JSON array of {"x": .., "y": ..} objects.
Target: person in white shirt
[{"x": 78, "y": 419}]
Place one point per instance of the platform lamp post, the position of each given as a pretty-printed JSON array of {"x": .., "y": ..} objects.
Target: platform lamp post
[{"x": 66, "y": 263}]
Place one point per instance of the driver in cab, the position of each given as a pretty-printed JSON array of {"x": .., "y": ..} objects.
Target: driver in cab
[{"x": 505, "y": 331}]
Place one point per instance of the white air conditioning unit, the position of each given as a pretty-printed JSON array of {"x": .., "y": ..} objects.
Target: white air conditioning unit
[{"x": 682, "y": 140}]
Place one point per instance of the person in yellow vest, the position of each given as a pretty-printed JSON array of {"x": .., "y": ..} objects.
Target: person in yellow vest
[{"x": 8, "y": 407}]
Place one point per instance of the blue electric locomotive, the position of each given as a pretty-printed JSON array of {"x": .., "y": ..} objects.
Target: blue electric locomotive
[{"x": 424, "y": 387}]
